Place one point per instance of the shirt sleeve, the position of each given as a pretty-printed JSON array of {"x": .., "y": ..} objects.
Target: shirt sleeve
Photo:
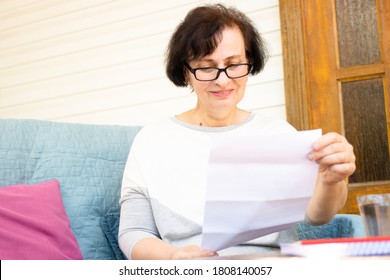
[
  {"x": 136, "y": 222},
  {"x": 136, "y": 215}
]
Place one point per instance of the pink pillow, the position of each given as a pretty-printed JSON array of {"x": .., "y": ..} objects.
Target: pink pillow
[{"x": 34, "y": 224}]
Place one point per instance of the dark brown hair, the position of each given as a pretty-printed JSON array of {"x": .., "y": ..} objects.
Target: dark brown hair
[{"x": 200, "y": 33}]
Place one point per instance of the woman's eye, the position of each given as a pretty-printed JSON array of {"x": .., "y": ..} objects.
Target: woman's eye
[{"x": 207, "y": 69}]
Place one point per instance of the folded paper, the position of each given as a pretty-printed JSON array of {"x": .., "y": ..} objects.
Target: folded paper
[{"x": 257, "y": 185}]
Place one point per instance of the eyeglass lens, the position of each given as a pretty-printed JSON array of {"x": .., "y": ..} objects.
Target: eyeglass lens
[{"x": 232, "y": 71}]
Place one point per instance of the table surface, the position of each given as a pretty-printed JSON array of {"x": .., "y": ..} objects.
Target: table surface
[{"x": 279, "y": 256}]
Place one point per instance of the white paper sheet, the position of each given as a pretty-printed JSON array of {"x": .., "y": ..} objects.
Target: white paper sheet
[{"x": 257, "y": 185}]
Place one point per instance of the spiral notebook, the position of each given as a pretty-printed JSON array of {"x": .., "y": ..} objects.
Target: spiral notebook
[{"x": 339, "y": 247}]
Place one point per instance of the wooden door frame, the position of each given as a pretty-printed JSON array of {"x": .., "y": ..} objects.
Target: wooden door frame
[
  {"x": 294, "y": 64},
  {"x": 300, "y": 62},
  {"x": 308, "y": 69}
]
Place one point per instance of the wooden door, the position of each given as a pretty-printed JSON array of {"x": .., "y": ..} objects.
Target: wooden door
[{"x": 337, "y": 77}]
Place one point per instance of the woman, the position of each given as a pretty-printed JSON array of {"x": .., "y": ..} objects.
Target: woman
[{"x": 163, "y": 192}]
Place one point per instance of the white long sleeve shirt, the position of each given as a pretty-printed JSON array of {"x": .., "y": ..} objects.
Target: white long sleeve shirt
[{"x": 164, "y": 182}]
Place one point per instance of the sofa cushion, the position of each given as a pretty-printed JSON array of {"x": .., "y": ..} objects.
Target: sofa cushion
[
  {"x": 342, "y": 225},
  {"x": 110, "y": 226},
  {"x": 87, "y": 160},
  {"x": 34, "y": 224}
]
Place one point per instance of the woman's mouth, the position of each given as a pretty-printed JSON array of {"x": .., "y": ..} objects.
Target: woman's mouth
[{"x": 222, "y": 93}]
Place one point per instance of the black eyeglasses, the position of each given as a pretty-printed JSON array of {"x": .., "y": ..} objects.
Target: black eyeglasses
[{"x": 233, "y": 71}]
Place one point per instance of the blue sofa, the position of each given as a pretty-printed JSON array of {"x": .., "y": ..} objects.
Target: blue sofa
[{"x": 88, "y": 162}]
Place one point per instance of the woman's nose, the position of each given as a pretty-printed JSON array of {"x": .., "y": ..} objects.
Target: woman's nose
[{"x": 222, "y": 78}]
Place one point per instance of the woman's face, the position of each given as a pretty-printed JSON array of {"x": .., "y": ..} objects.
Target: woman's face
[{"x": 222, "y": 93}]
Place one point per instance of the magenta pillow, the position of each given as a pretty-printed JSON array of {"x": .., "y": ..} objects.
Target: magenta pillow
[{"x": 34, "y": 224}]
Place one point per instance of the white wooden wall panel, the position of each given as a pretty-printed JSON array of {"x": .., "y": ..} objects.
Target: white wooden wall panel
[
  {"x": 10, "y": 5},
  {"x": 102, "y": 61}
]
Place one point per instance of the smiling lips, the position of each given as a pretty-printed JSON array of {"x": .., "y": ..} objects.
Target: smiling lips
[{"x": 222, "y": 93}]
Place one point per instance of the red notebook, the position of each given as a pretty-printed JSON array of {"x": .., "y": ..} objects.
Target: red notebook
[{"x": 339, "y": 247}]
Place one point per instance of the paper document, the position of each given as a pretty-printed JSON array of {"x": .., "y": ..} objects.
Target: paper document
[{"x": 257, "y": 185}]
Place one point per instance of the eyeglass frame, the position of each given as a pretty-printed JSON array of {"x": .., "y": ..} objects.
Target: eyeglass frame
[{"x": 193, "y": 70}]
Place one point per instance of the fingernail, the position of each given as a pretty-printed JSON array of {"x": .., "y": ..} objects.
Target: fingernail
[{"x": 211, "y": 253}]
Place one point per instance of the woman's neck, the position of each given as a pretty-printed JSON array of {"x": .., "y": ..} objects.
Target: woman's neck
[{"x": 199, "y": 117}]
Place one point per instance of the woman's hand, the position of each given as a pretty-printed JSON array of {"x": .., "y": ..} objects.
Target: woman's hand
[
  {"x": 335, "y": 157},
  {"x": 336, "y": 162},
  {"x": 153, "y": 248},
  {"x": 191, "y": 252}
]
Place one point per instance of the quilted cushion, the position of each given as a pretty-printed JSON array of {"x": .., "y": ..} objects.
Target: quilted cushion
[
  {"x": 110, "y": 226},
  {"x": 34, "y": 225},
  {"x": 87, "y": 160},
  {"x": 342, "y": 225}
]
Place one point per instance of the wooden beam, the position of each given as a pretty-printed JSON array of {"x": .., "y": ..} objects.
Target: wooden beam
[
  {"x": 357, "y": 72},
  {"x": 294, "y": 64}
]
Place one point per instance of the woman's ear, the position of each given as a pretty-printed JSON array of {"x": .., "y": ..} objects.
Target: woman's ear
[
  {"x": 188, "y": 82},
  {"x": 187, "y": 79}
]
